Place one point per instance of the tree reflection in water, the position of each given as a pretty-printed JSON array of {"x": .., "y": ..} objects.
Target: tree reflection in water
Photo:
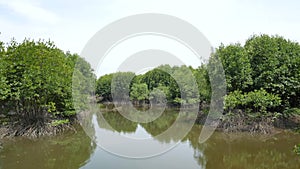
[
  {"x": 222, "y": 150},
  {"x": 232, "y": 150},
  {"x": 67, "y": 151}
]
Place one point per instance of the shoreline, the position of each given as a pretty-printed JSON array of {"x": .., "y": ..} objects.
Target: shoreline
[
  {"x": 7, "y": 134},
  {"x": 32, "y": 131},
  {"x": 239, "y": 122}
]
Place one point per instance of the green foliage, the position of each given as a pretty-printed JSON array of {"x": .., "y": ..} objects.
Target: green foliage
[
  {"x": 4, "y": 86},
  {"x": 51, "y": 107},
  {"x": 275, "y": 64},
  {"x": 38, "y": 74},
  {"x": 254, "y": 101},
  {"x": 103, "y": 87},
  {"x": 69, "y": 113},
  {"x": 297, "y": 149},
  {"x": 160, "y": 75},
  {"x": 164, "y": 84},
  {"x": 217, "y": 81},
  {"x": 83, "y": 83},
  {"x": 139, "y": 91},
  {"x": 120, "y": 85},
  {"x": 237, "y": 67},
  {"x": 160, "y": 95},
  {"x": 202, "y": 78},
  {"x": 189, "y": 93},
  {"x": 291, "y": 112},
  {"x": 36, "y": 79},
  {"x": 59, "y": 122},
  {"x": 262, "y": 77}
]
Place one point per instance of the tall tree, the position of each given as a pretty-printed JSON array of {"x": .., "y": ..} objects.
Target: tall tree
[
  {"x": 236, "y": 65},
  {"x": 275, "y": 63},
  {"x": 103, "y": 87},
  {"x": 139, "y": 92},
  {"x": 37, "y": 80}
]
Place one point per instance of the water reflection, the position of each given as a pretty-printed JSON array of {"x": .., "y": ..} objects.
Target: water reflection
[
  {"x": 232, "y": 151},
  {"x": 250, "y": 152},
  {"x": 117, "y": 123},
  {"x": 235, "y": 150},
  {"x": 68, "y": 151}
]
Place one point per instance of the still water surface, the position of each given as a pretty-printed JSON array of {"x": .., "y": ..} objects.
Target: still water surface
[{"x": 76, "y": 150}]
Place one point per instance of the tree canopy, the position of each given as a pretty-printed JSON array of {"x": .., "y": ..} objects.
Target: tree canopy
[
  {"x": 36, "y": 80},
  {"x": 262, "y": 76}
]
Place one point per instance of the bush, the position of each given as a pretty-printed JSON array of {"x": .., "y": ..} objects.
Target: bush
[
  {"x": 60, "y": 122},
  {"x": 257, "y": 101},
  {"x": 36, "y": 80},
  {"x": 291, "y": 111}
]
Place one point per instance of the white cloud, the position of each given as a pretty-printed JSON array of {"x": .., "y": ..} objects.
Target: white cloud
[
  {"x": 70, "y": 23},
  {"x": 31, "y": 10}
]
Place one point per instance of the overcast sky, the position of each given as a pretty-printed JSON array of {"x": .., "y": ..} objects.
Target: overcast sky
[{"x": 71, "y": 23}]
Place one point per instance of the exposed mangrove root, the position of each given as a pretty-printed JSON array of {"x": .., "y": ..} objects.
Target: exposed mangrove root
[
  {"x": 34, "y": 130},
  {"x": 240, "y": 122}
]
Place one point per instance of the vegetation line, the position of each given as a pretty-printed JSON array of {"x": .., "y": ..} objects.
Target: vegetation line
[{"x": 262, "y": 78}]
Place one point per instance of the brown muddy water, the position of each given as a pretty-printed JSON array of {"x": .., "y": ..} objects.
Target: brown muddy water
[{"x": 221, "y": 151}]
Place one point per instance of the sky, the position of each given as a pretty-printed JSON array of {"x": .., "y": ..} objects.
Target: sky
[{"x": 71, "y": 23}]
